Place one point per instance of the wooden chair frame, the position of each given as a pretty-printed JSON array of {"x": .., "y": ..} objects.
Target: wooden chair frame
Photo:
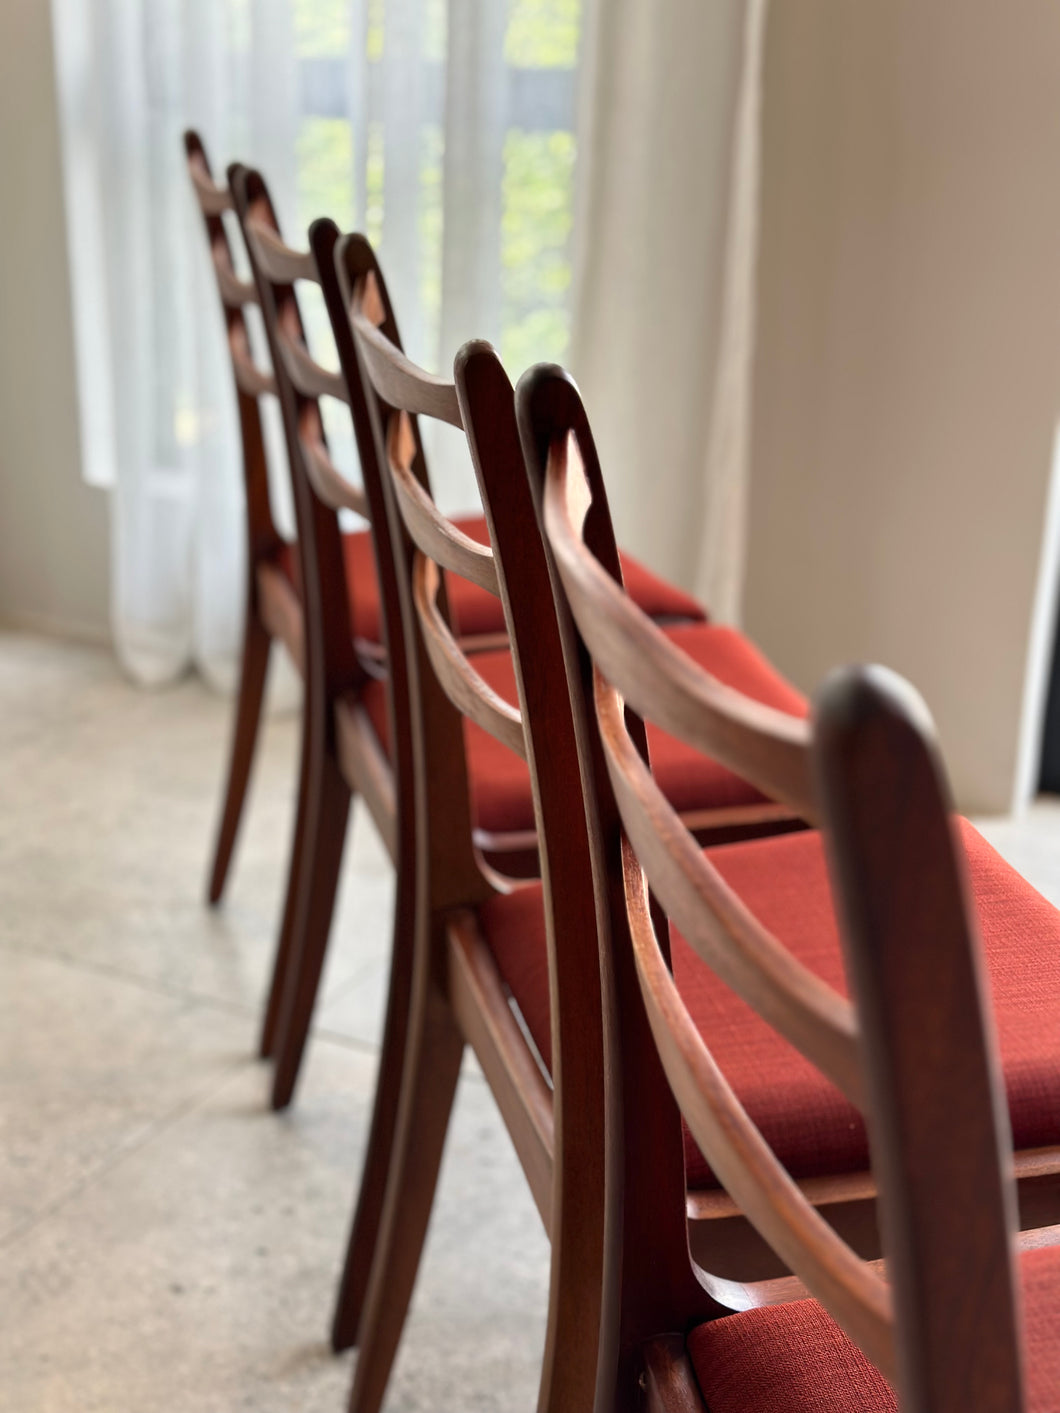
[
  {"x": 457, "y": 995},
  {"x": 272, "y": 609},
  {"x": 342, "y": 754},
  {"x": 340, "y": 751},
  {"x": 868, "y": 769},
  {"x": 377, "y": 361}
]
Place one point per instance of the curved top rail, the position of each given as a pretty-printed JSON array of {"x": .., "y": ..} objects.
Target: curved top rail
[
  {"x": 213, "y": 199},
  {"x": 234, "y": 292},
  {"x": 279, "y": 262},
  {"x": 311, "y": 378},
  {"x": 659, "y": 681},
  {"x": 429, "y": 529},
  {"x": 398, "y": 380},
  {"x": 464, "y": 687}
]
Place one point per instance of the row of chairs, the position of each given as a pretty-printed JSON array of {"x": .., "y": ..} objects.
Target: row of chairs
[{"x": 617, "y": 833}]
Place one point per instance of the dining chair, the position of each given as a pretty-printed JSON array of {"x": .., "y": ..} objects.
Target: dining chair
[
  {"x": 347, "y": 589},
  {"x": 503, "y": 823},
  {"x": 728, "y": 982},
  {"x": 281, "y": 583},
  {"x": 517, "y": 935}
]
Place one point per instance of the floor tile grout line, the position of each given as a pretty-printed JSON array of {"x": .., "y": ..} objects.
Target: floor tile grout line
[
  {"x": 136, "y": 979},
  {"x": 319, "y": 1030},
  {"x": 134, "y": 1144}
]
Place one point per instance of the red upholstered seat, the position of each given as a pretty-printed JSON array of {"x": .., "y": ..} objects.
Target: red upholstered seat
[
  {"x": 475, "y": 610},
  {"x": 501, "y": 781},
  {"x": 795, "y": 1358},
  {"x": 783, "y": 880}
]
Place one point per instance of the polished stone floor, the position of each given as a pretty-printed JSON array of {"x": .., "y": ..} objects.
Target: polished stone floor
[{"x": 167, "y": 1243}]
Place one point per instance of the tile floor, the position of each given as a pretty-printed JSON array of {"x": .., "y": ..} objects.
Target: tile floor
[{"x": 167, "y": 1243}]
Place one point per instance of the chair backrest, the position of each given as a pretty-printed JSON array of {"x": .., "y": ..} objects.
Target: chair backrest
[
  {"x": 319, "y": 488},
  {"x": 448, "y": 690},
  {"x": 251, "y": 382},
  {"x": 914, "y": 1051}
]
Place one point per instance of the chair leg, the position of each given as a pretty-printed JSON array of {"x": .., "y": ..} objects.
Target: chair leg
[
  {"x": 321, "y": 859},
  {"x": 432, "y": 1070},
  {"x": 281, "y": 965},
  {"x": 370, "y": 1198},
  {"x": 256, "y": 643}
]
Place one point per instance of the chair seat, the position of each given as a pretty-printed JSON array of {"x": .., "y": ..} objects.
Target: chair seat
[
  {"x": 795, "y": 1358},
  {"x": 783, "y": 880},
  {"x": 501, "y": 781},
  {"x": 475, "y": 610}
]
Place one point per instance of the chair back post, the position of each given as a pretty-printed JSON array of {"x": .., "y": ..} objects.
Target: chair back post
[
  {"x": 649, "y": 1283},
  {"x": 938, "y": 1121},
  {"x": 487, "y": 403},
  {"x": 212, "y": 200},
  {"x": 358, "y": 259},
  {"x": 330, "y": 654},
  {"x": 447, "y": 866}
]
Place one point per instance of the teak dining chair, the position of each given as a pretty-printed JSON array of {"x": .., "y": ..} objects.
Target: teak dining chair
[
  {"x": 283, "y": 582},
  {"x": 910, "y": 1051},
  {"x": 347, "y": 588},
  {"x": 520, "y": 942},
  {"x": 499, "y": 784}
]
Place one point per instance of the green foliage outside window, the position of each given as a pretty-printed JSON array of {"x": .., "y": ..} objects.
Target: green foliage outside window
[
  {"x": 537, "y": 179},
  {"x": 543, "y": 34},
  {"x": 535, "y": 238}
]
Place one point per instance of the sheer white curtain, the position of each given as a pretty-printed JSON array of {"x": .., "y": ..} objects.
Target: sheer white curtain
[
  {"x": 443, "y": 128},
  {"x": 665, "y": 276}
]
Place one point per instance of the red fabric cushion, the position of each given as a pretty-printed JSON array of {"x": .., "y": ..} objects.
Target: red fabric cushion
[
  {"x": 655, "y": 596},
  {"x": 501, "y": 781},
  {"x": 783, "y": 880},
  {"x": 475, "y": 610},
  {"x": 795, "y": 1358}
]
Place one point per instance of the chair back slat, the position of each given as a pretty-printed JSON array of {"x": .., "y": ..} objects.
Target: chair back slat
[
  {"x": 453, "y": 668},
  {"x": 330, "y": 484},
  {"x": 809, "y": 1013},
  {"x": 743, "y": 1161},
  {"x": 310, "y": 378},
  {"x": 398, "y": 381},
  {"x": 252, "y": 380},
  {"x": 764, "y": 746},
  {"x": 428, "y": 528},
  {"x": 235, "y": 292},
  {"x": 279, "y": 262},
  {"x": 213, "y": 200}
]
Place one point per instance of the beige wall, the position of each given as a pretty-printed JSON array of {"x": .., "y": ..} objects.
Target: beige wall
[
  {"x": 907, "y": 372},
  {"x": 53, "y": 529}
]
